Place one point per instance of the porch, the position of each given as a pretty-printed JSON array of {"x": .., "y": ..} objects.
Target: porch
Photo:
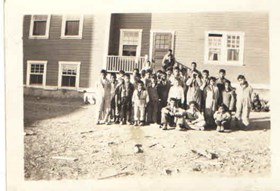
[{"x": 126, "y": 63}]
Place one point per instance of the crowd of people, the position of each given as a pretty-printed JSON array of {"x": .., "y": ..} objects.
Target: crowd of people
[{"x": 173, "y": 97}]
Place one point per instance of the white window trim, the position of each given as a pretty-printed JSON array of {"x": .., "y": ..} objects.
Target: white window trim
[
  {"x": 224, "y": 48},
  {"x": 29, "y": 62},
  {"x": 139, "y": 45},
  {"x": 46, "y": 36},
  {"x": 152, "y": 39},
  {"x": 81, "y": 23},
  {"x": 77, "y": 83}
]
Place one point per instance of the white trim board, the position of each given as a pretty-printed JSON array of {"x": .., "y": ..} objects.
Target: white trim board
[
  {"x": 77, "y": 82},
  {"x": 28, "y": 71},
  {"x": 152, "y": 40},
  {"x": 65, "y": 18},
  {"x": 46, "y": 36}
]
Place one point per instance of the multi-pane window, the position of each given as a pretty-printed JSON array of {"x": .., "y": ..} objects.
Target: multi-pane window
[
  {"x": 224, "y": 48},
  {"x": 163, "y": 41},
  {"x": 130, "y": 42},
  {"x": 72, "y": 27},
  {"x": 36, "y": 73},
  {"x": 69, "y": 74},
  {"x": 39, "y": 26}
]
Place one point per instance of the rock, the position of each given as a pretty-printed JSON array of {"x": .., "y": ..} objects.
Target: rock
[
  {"x": 167, "y": 171},
  {"x": 29, "y": 133},
  {"x": 205, "y": 153},
  {"x": 196, "y": 168},
  {"x": 138, "y": 148}
]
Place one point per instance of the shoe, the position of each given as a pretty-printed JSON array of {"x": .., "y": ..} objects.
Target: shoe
[
  {"x": 164, "y": 126},
  {"x": 201, "y": 128},
  {"x": 98, "y": 123},
  {"x": 141, "y": 124},
  {"x": 222, "y": 129},
  {"x": 136, "y": 123},
  {"x": 218, "y": 128}
]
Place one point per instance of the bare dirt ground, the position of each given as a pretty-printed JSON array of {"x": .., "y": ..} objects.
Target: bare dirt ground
[{"x": 66, "y": 128}]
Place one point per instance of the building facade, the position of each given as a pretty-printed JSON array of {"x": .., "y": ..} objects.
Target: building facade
[{"x": 67, "y": 52}]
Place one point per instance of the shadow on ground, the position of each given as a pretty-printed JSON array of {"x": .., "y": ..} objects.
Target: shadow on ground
[{"x": 41, "y": 108}]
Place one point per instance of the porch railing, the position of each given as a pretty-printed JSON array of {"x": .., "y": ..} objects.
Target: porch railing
[{"x": 126, "y": 63}]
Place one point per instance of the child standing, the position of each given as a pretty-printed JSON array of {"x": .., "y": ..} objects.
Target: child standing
[
  {"x": 194, "y": 92},
  {"x": 176, "y": 91},
  {"x": 126, "y": 91},
  {"x": 211, "y": 95},
  {"x": 114, "y": 110},
  {"x": 228, "y": 96},
  {"x": 152, "y": 108},
  {"x": 103, "y": 87},
  {"x": 140, "y": 99},
  {"x": 222, "y": 118}
]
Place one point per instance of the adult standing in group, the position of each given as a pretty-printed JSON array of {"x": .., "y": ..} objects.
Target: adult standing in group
[
  {"x": 244, "y": 95},
  {"x": 168, "y": 60},
  {"x": 103, "y": 87}
]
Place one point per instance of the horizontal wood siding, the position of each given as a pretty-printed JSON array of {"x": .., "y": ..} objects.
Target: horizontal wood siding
[
  {"x": 189, "y": 40},
  {"x": 130, "y": 21},
  {"x": 56, "y": 49}
]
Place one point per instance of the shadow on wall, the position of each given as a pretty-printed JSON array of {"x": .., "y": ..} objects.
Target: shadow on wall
[{"x": 41, "y": 108}]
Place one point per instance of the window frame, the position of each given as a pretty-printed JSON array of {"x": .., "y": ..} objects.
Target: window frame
[
  {"x": 139, "y": 45},
  {"x": 77, "y": 82},
  {"x": 224, "y": 49},
  {"x": 46, "y": 36},
  {"x": 63, "y": 27},
  {"x": 28, "y": 73}
]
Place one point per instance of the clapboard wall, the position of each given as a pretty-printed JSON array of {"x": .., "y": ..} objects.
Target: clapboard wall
[
  {"x": 130, "y": 21},
  {"x": 89, "y": 50},
  {"x": 190, "y": 40}
]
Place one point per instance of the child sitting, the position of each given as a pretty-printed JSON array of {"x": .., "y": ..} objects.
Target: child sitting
[
  {"x": 222, "y": 118},
  {"x": 194, "y": 118}
]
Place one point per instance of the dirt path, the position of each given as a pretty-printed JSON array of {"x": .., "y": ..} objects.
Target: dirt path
[{"x": 66, "y": 128}]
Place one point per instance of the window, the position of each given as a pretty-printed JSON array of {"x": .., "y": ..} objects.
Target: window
[
  {"x": 163, "y": 41},
  {"x": 68, "y": 76},
  {"x": 130, "y": 42},
  {"x": 72, "y": 27},
  {"x": 36, "y": 73},
  {"x": 39, "y": 27},
  {"x": 224, "y": 48}
]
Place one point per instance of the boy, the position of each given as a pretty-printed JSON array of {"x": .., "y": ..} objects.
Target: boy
[
  {"x": 194, "y": 118},
  {"x": 126, "y": 91},
  {"x": 172, "y": 115},
  {"x": 163, "y": 91},
  {"x": 146, "y": 80},
  {"x": 114, "y": 109},
  {"x": 221, "y": 83},
  {"x": 121, "y": 74},
  {"x": 228, "y": 96},
  {"x": 222, "y": 118},
  {"x": 140, "y": 100},
  {"x": 177, "y": 92},
  {"x": 244, "y": 95},
  {"x": 211, "y": 95},
  {"x": 168, "y": 60},
  {"x": 194, "y": 92},
  {"x": 152, "y": 108},
  {"x": 176, "y": 74},
  {"x": 103, "y": 87}
]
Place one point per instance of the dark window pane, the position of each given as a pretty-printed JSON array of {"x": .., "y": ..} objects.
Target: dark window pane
[
  {"x": 36, "y": 79},
  {"x": 68, "y": 81},
  {"x": 129, "y": 50},
  {"x": 72, "y": 28},
  {"x": 39, "y": 28}
]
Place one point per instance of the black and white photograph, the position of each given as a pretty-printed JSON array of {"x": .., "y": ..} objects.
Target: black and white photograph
[{"x": 144, "y": 93}]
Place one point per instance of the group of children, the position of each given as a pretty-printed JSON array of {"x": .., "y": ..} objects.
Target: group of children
[{"x": 173, "y": 97}]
